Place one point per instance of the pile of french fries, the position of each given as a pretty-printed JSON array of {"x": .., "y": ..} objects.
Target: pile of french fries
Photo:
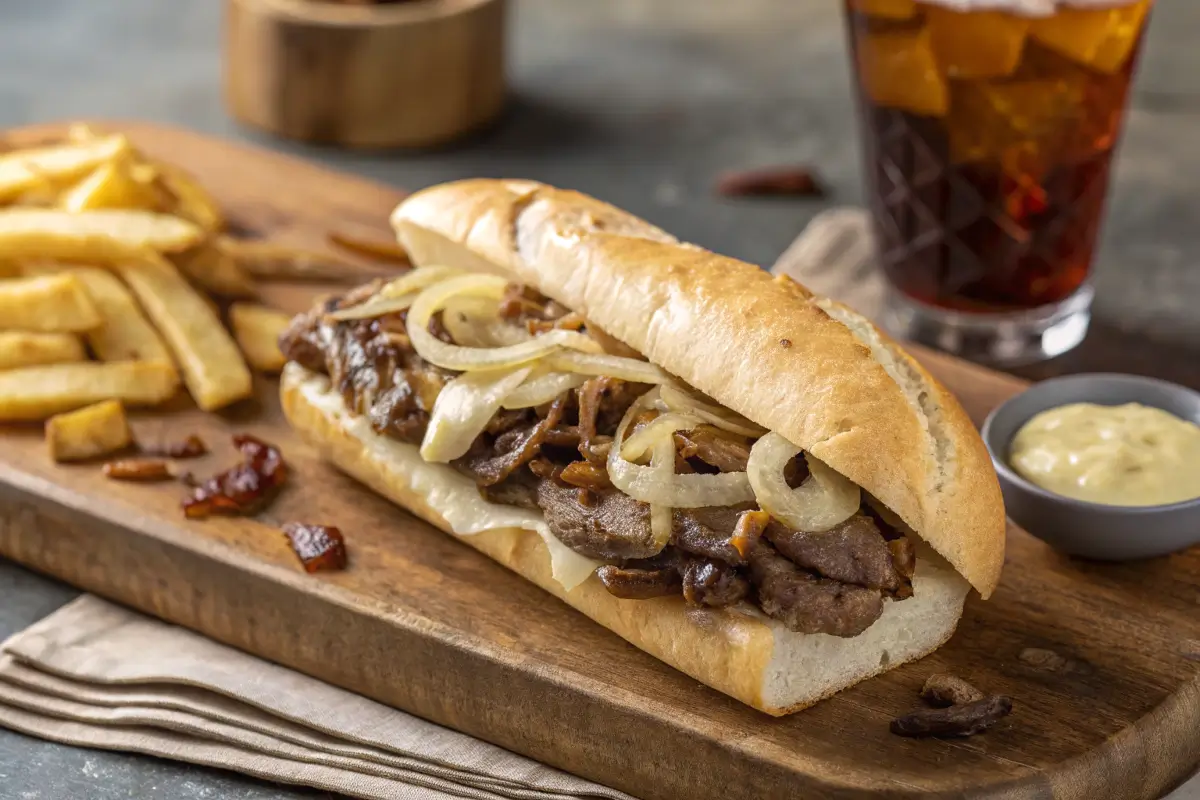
[{"x": 109, "y": 261}]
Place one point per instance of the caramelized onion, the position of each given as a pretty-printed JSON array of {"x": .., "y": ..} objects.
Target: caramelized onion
[
  {"x": 825, "y": 499},
  {"x": 602, "y": 364},
  {"x": 647, "y": 484},
  {"x": 542, "y": 387},
  {"x": 464, "y": 408},
  {"x": 676, "y": 398},
  {"x": 466, "y": 359}
]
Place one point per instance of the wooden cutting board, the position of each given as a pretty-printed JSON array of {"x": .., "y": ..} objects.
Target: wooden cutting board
[{"x": 428, "y": 625}]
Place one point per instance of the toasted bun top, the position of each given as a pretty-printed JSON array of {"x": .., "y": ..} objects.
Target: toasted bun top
[{"x": 803, "y": 366}]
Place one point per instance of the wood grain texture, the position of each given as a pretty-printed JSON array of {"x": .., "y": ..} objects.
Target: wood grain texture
[
  {"x": 402, "y": 75},
  {"x": 423, "y": 623}
]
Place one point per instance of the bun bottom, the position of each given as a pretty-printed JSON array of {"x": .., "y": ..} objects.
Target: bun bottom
[{"x": 739, "y": 652}]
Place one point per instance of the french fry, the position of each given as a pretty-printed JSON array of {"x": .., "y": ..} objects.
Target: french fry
[
  {"x": 212, "y": 366},
  {"x": 90, "y": 432},
  {"x": 35, "y": 393},
  {"x": 23, "y": 349},
  {"x": 103, "y": 235},
  {"x": 192, "y": 201},
  {"x": 111, "y": 185},
  {"x": 274, "y": 262},
  {"x": 211, "y": 269},
  {"x": 21, "y": 170},
  {"x": 50, "y": 304},
  {"x": 42, "y": 194},
  {"x": 383, "y": 251},
  {"x": 125, "y": 334},
  {"x": 257, "y": 330}
]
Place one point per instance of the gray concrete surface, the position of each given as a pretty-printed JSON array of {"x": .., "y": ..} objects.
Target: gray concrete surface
[{"x": 641, "y": 102}]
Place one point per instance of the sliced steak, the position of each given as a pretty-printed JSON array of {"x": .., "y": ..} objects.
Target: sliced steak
[
  {"x": 707, "y": 532},
  {"x": 397, "y": 415},
  {"x": 712, "y": 583},
  {"x": 612, "y": 527},
  {"x": 301, "y": 342},
  {"x": 520, "y": 489},
  {"x": 728, "y": 452},
  {"x": 805, "y": 603},
  {"x": 640, "y": 584},
  {"x": 491, "y": 464},
  {"x": 589, "y": 395},
  {"x": 852, "y": 552}
]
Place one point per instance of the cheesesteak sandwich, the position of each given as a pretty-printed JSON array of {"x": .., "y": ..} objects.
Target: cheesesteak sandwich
[{"x": 745, "y": 480}]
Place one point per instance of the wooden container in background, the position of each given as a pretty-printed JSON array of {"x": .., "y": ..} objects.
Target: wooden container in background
[{"x": 408, "y": 74}]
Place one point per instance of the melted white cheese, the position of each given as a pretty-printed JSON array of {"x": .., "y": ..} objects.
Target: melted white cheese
[{"x": 452, "y": 495}]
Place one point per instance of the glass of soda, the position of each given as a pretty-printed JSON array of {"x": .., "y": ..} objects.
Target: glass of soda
[{"x": 989, "y": 129}]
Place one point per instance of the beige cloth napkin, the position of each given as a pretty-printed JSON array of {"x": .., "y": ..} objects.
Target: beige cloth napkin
[
  {"x": 98, "y": 675},
  {"x": 834, "y": 256}
]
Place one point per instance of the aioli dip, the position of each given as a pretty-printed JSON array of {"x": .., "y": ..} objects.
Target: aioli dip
[{"x": 1130, "y": 455}]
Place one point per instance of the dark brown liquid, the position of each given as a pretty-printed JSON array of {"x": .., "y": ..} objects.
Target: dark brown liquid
[{"x": 988, "y": 176}]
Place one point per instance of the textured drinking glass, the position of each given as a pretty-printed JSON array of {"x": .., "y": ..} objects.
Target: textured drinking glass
[{"x": 989, "y": 136}]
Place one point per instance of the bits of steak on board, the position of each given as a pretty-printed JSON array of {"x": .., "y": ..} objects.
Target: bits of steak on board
[
  {"x": 320, "y": 548},
  {"x": 191, "y": 447},
  {"x": 960, "y": 709},
  {"x": 140, "y": 470},
  {"x": 244, "y": 488}
]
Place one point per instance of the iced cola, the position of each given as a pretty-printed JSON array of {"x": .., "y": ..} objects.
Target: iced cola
[{"x": 989, "y": 137}]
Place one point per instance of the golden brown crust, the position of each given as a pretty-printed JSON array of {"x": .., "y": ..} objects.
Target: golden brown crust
[{"x": 764, "y": 347}]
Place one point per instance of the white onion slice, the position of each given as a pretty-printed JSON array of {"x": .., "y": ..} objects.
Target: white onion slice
[
  {"x": 627, "y": 369},
  {"x": 825, "y": 499},
  {"x": 418, "y": 279},
  {"x": 661, "y": 427},
  {"x": 463, "y": 408},
  {"x": 475, "y": 322},
  {"x": 466, "y": 359},
  {"x": 375, "y": 307},
  {"x": 675, "y": 398},
  {"x": 395, "y": 296},
  {"x": 662, "y": 519},
  {"x": 644, "y": 483},
  {"x": 542, "y": 388}
]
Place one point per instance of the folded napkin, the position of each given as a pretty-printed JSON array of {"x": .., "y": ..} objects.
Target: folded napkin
[
  {"x": 835, "y": 257},
  {"x": 98, "y": 675}
]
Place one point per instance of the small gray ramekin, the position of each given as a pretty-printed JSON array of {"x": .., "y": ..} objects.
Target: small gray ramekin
[{"x": 1077, "y": 527}]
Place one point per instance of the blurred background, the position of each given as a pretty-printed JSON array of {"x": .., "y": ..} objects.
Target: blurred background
[{"x": 644, "y": 103}]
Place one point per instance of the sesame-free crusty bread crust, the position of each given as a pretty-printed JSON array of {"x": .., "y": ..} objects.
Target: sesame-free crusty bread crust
[
  {"x": 744, "y": 654},
  {"x": 805, "y": 367}
]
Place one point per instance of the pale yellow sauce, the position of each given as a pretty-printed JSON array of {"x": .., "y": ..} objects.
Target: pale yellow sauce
[{"x": 1129, "y": 455}]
